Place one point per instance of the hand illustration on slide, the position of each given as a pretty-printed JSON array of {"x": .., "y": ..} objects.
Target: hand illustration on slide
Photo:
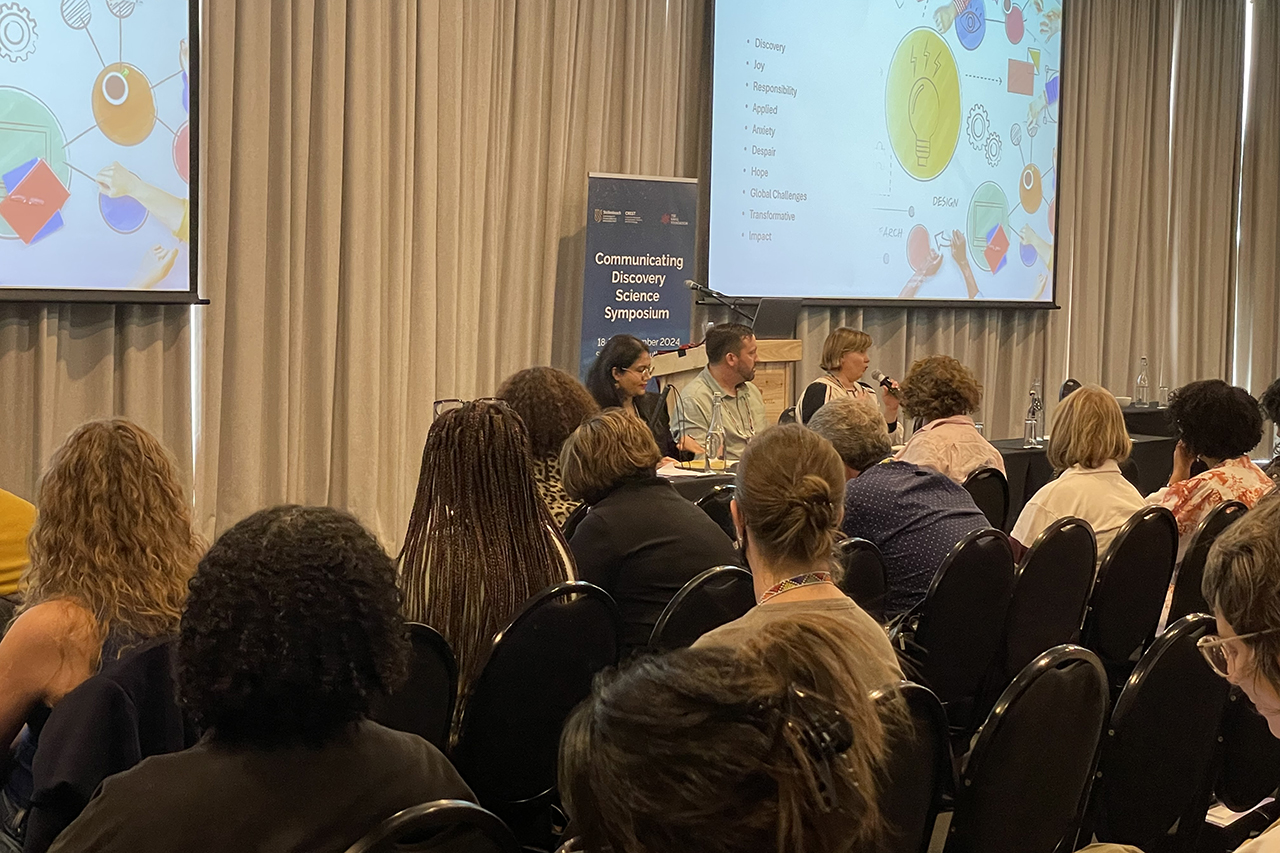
[
  {"x": 1042, "y": 246},
  {"x": 1052, "y": 23},
  {"x": 115, "y": 181},
  {"x": 929, "y": 270},
  {"x": 961, "y": 257},
  {"x": 1037, "y": 106},
  {"x": 184, "y": 56},
  {"x": 156, "y": 266},
  {"x": 944, "y": 16}
]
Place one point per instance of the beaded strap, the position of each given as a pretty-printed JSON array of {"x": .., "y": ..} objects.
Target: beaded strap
[{"x": 807, "y": 579}]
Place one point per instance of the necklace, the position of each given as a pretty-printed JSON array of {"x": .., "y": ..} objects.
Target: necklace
[{"x": 807, "y": 579}]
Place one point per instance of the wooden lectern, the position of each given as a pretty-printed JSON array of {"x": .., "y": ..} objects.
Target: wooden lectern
[{"x": 775, "y": 372}]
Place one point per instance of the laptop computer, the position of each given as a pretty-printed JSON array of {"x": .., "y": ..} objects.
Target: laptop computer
[{"x": 776, "y": 317}]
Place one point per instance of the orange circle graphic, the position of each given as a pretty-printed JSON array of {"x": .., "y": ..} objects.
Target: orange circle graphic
[{"x": 123, "y": 105}]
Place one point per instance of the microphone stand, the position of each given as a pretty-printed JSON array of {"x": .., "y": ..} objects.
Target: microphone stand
[{"x": 721, "y": 298}]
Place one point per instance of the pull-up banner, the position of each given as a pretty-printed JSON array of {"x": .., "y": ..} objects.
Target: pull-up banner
[{"x": 640, "y": 242}]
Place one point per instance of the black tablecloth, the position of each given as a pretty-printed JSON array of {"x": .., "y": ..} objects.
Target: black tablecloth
[
  {"x": 692, "y": 488},
  {"x": 1028, "y": 469},
  {"x": 1147, "y": 420}
]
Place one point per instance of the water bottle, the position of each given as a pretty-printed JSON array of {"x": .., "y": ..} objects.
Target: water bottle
[
  {"x": 714, "y": 460},
  {"x": 1142, "y": 386}
]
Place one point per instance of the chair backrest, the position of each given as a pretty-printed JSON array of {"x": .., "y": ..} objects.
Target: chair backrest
[
  {"x": 918, "y": 769},
  {"x": 788, "y": 415},
  {"x": 713, "y": 598},
  {"x": 1160, "y": 745},
  {"x": 715, "y": 503},
  {"x": 864, "y": 574},
  {"x": 1187, "y": 597},
  {"x": 575, "y": 518},
  {"x": 420, "y": 828},
  {"x": 1029, "y": 772},
  {"x": 1250, "y": 766},
  {"x": 1050, "y": 592},
  {"x": 424, "y": 705},
  {"x": 990, "y": 491},
  {"x": 539, "y": 668},
  {"x": 962, "y": 616},
  {"x": 1133, "y": 581}
]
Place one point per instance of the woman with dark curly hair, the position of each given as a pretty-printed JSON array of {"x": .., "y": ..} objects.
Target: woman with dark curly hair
[
  {"x": 111, "y": 551},
  {"x": 1270, "y": 402},
  {"x": 292, "y": 627},
  {"x": 552, "y": 404},
  {"x": 944, "y": 393},
  {"x": 1218, "y": 424},
  {"x": 620, "y": 377}
]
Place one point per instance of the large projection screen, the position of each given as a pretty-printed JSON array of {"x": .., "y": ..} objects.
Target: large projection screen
[
  {"x": 98, "y": 145},
  {"x": 872, "y": 151}
]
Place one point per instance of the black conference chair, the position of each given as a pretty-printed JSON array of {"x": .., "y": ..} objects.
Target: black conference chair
[
  {"x": 788, "y": 415},
  {"x": 990, "y": 491},
  {"x": 1187, "y": 597},
  {"x": 575, "y": 518},
  {"x": 918, "y": 770},
  {"x": 715, "y": 503},
  {"x": 1067, "y": 387},
  {"x": 713, "y": 598},
  {"x": 425, "y": 827},
  {"x": 1129, "y": 594},
  {"x": 1158, "y": 752},
  {"x": 539, "y": 668},
  {"x": 1029, "y": 772},
  {"x": 953, "y": 636},
  {"x": 1249, "y": 769},
  {"x": 864, "y": 578},
  {"x": 424, "y": 705},
  {"x": 1050, "y": 593}
]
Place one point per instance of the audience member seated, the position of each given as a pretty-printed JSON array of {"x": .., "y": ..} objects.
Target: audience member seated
[
  {"x": 731, "y": 365},
  {"x": 769, "y": 747},
  {"x": 641, "y": 541},
  {"x": 480, "y": 541},
  {"x": 1218, "y": 424},
  {"x": 845, "y": 358},
  {"x": 552, "y": 404},
  {"x": 1089, "y": 442},
  {"x": 292, "y": 627},
  {"x": 1242, "y": 586},
  {"x": 1270, "y": 403},
  {"x": 943, "y": 392},
  {"x": 787, "y": 506},
  {"x": 111, "y": 552},
  {"x": 620, "y": 377},
  {"x": 913, "y": 514},
  {"x": 16, "y": 518}
]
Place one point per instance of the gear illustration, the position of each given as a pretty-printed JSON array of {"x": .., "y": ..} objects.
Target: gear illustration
[
  {"x": 993, "y": 150},
  {"x": 17, "y": 32},
  {"x": 977, "y": 126}
]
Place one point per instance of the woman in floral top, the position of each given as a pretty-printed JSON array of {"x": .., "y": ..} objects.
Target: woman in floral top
[{"x": 1217, "y": 424}]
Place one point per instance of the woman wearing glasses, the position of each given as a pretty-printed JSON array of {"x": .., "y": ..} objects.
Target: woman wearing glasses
[{"x": 620, "y": 377}]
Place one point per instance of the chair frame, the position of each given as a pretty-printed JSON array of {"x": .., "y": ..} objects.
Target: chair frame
[
  {"x": 677, "y": 601},
  {"x": 710, "y": 497},
  {"x": 437, "y": 814},
  {"x": 1187, "y": 597},
  {"x": 945, "y": 765},
  {"x": 445, "y": 653},
  {"x": 1021, "y": 567},
  {"x": 877, "y": 612},
  {"x": 986, "y": 473}
]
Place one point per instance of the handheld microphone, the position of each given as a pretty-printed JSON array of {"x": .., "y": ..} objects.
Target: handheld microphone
[{"x": 879, "y": 376}]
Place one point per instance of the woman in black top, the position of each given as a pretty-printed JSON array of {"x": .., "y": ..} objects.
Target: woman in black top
[
  {"x": 641, "y": 541},
  {"x": 620, "y": 377}
]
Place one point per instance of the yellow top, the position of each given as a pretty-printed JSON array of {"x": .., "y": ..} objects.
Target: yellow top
[
  {"x": 184, "y": 228},
  {"x": 16, "y": 518}
]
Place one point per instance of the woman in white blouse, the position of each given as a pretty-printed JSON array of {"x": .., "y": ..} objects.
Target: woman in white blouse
[
  {"x": 1088, "y": 442},
  {"x": 845, "y": 358}
]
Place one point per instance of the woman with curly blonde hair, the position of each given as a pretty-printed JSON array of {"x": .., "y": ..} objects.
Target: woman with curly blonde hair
[
  {"x": 944, "y": 393},
  {"x": 112, "y": 550}
]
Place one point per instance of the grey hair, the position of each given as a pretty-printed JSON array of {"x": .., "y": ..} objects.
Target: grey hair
[
  {"x": 856, "y": 429},
  {"x": 1242, "y": 583}
]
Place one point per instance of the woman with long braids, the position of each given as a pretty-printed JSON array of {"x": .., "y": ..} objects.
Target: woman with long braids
[
  {"x": 481, "y": 541},
  {"x": 111, "y": 552}
]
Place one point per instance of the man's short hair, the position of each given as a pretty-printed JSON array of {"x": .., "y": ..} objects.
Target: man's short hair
[
  {"x": 856, "y": 428},
  {"x": 726, "y": 338}
]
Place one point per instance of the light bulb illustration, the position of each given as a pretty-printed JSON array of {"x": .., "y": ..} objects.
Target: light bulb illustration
[{"x": 922, "y": 112}]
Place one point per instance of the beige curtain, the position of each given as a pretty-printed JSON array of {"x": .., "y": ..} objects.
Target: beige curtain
[
  {"x": 394, "y": 190},
  {"x": 61, "y": 365}
]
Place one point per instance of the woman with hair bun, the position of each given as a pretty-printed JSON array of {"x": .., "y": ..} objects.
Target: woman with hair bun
[{"x": 787, "y": 507}]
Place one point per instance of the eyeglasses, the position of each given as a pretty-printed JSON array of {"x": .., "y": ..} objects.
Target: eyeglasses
[
  {"x": 439, "y": 407},
  {"x": 643, "y": 372},
  {"x": 1214, "y": 649}
]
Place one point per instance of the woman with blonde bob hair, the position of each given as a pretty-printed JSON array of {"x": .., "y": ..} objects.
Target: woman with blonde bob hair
[
  {"x": 845, "y": 360},
  {"x": 112, "y": 550},
  {"x": 1088, "y": 444},
  {"x": 641, "y": 541}
]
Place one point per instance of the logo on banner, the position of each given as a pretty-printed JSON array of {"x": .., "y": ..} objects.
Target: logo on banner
[{"x": 599, "y": 214}]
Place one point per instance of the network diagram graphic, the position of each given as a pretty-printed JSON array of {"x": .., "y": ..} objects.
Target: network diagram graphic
[
  {"x": 41, "y": 165},
  {"x": 962, "y": 68}
]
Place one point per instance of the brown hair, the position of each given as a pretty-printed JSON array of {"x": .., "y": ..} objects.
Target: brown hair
[
  {"x": 607, "y": 449},
  {"x": 714, "y": 750},
  {"x": 113, "y": 533},
  {"x": 1088, "y": 430},
  {"x": 726, "y": 338},
  {"x": 939, "y": 386},
  {"x": 1242, "y": 583},
  {"x": 550, "y": 402},
  {"x": 481, "y": 540},
  {"x": 841, "y": 341},
  {"x": 790, "y": 493}
]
